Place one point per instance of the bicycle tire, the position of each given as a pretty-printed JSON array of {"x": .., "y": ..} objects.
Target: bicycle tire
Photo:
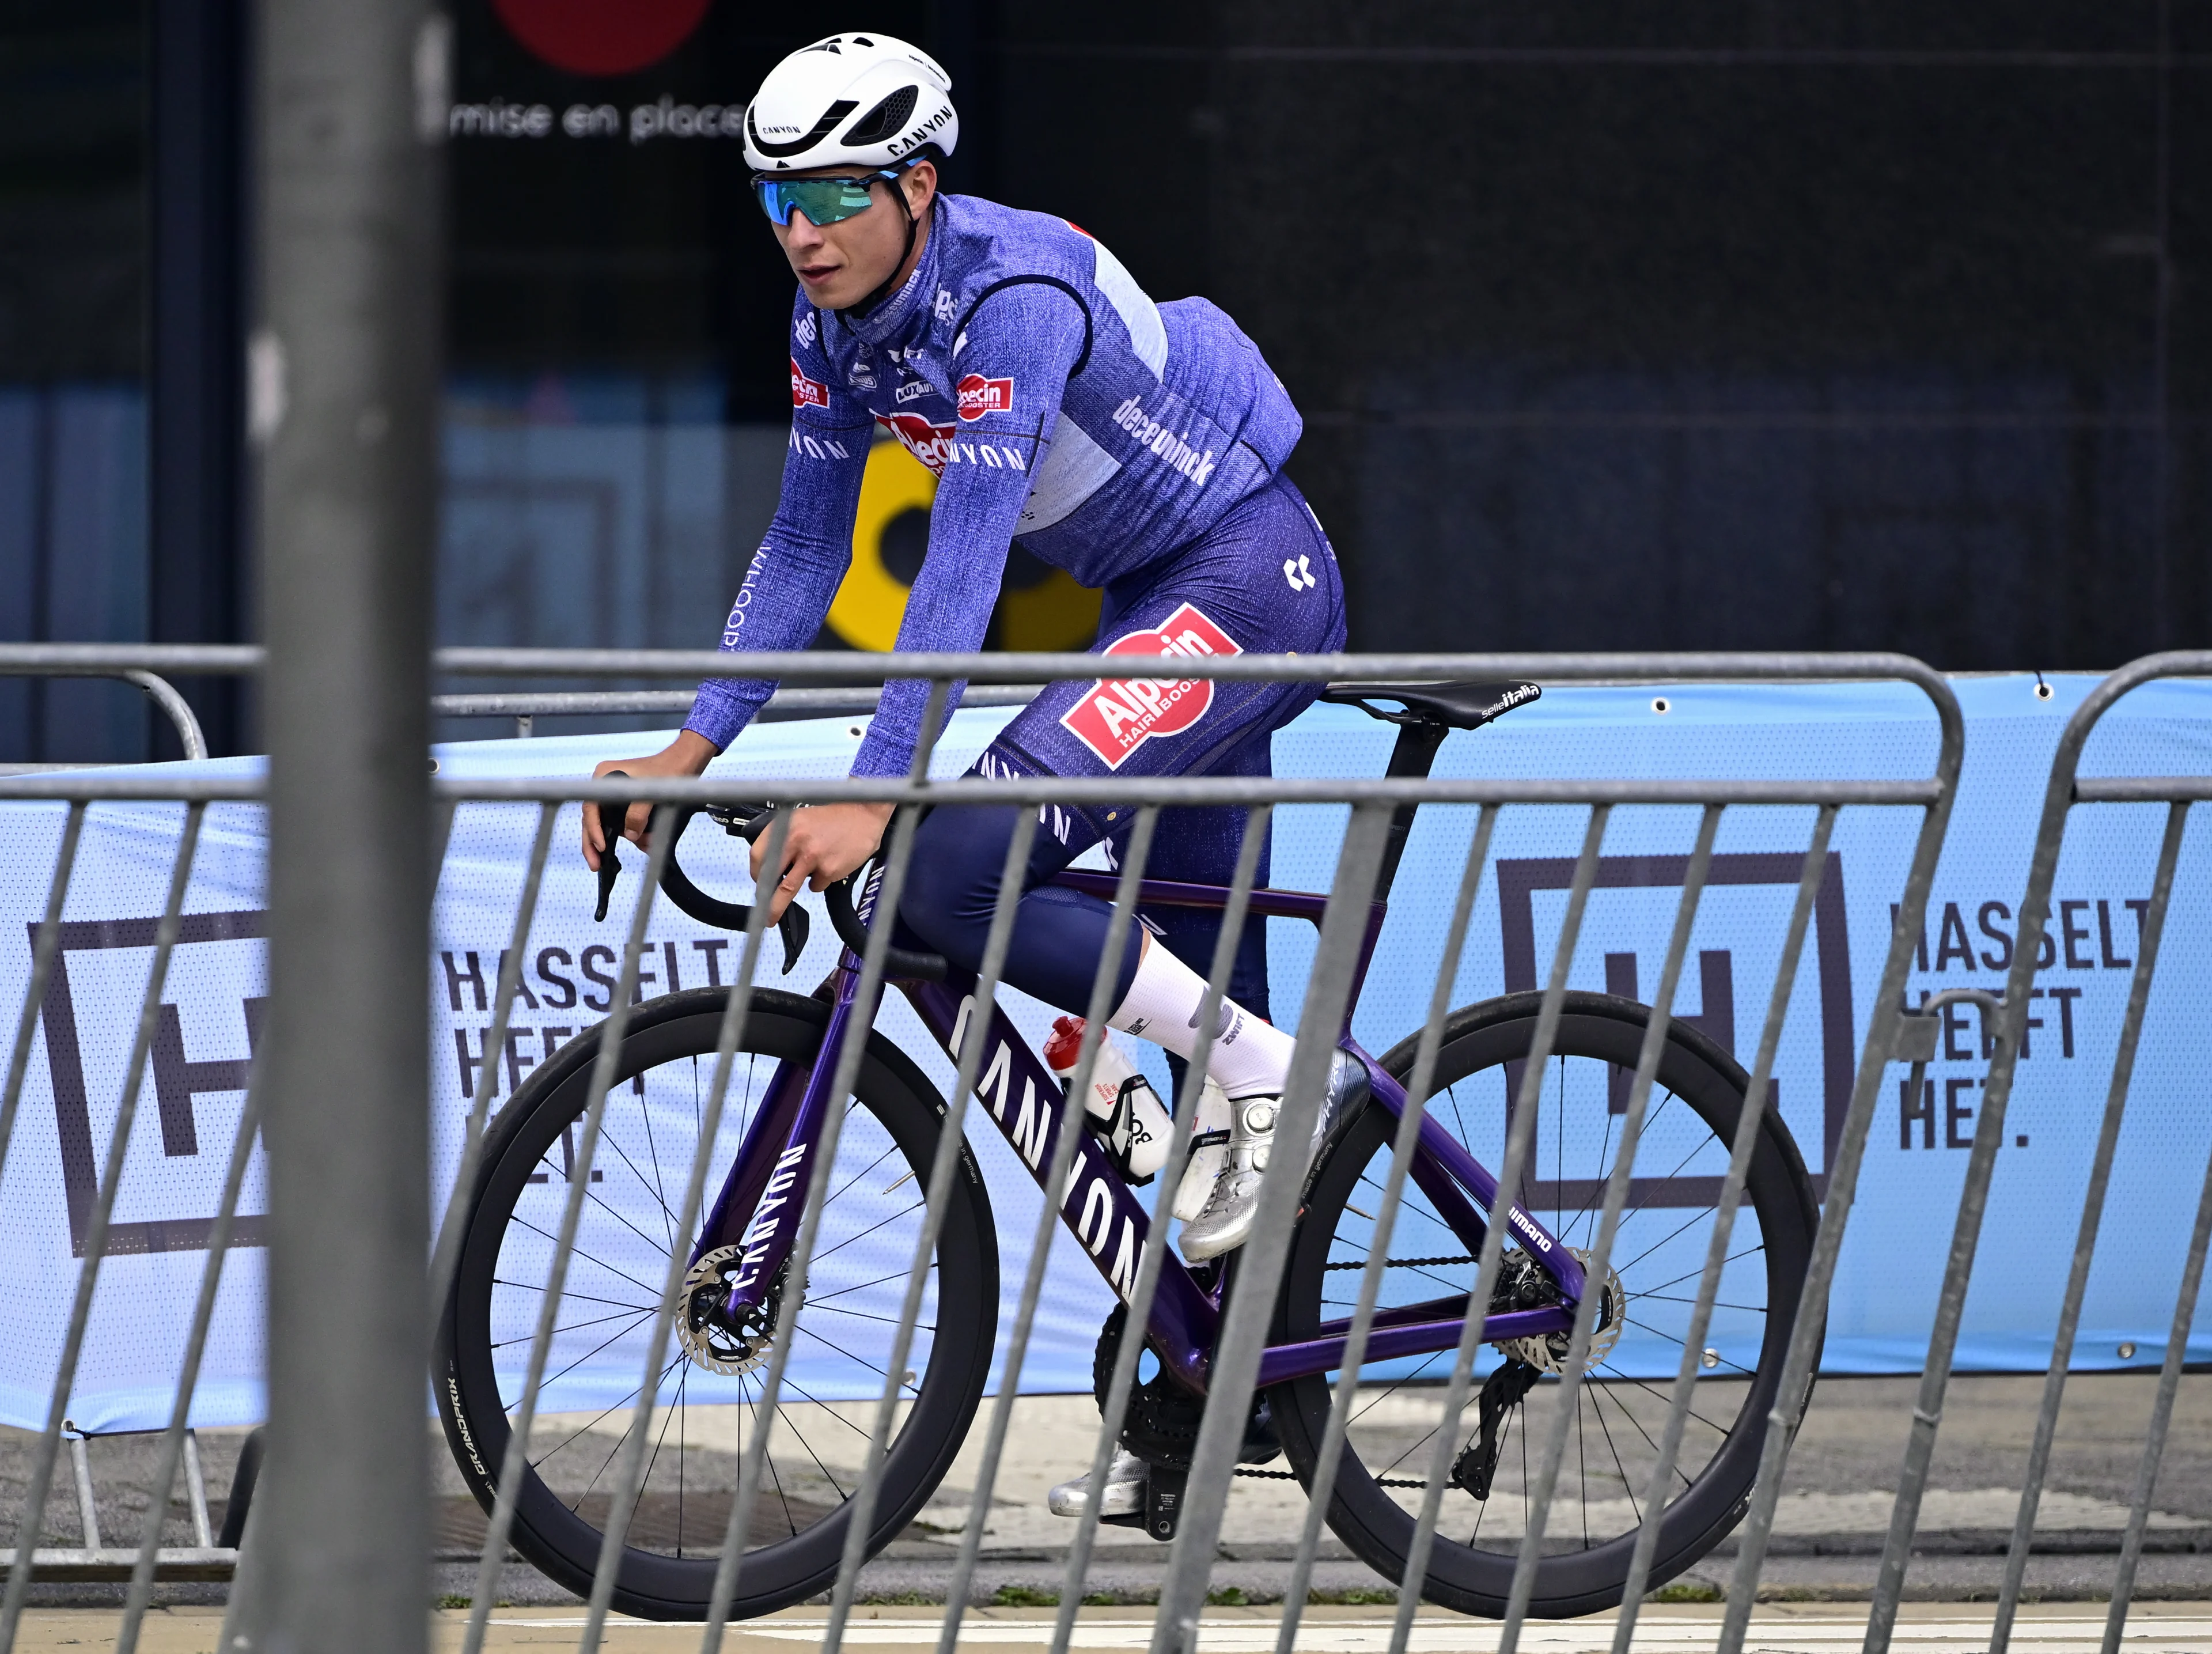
[
  {"x": 890, "y": 1131},
  {"x": 1576, "y": 1573}
]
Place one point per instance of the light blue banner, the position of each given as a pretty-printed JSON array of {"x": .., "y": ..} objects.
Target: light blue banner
[{"x": 1893, "y": 1262}]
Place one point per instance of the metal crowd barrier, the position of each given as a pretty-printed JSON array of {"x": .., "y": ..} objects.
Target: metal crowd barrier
[
  {"x": 2065, "y": 789},
  {"x": 1343, "y": 929},
  {"x": 123, "y": 662},
  {"x": 525, "y": 707}
]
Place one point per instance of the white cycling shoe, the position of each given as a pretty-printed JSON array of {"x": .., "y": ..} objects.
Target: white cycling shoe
[
  {"x": 1125, "y": 1489},
  {"x": 1225, "y": 1223}
]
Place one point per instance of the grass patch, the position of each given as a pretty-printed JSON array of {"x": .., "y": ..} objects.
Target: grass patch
[
  {"x": 1357, "y": 1596},
  {"x": 904, "y": 1599},
  {"x": 450, "y": 1601},
  {"x": 1227, "y": 1596},
  {"x": 1023, "y": 1596},
  {"x": 1693, "y": 1591}
]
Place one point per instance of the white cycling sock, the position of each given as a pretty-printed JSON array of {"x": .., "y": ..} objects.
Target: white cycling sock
[{"x": 1250, "y": 1057}]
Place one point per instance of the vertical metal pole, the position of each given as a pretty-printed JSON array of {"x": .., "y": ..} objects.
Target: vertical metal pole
[
  {"x": 196, "y": 1491},
  {"x": 1104, "y": 979},
  {"x": 343, "y": 395},
  {"x": 514, "y": 1461},
  {"x": 1600, "y": 1259},
  {"x": 2085, "y": 1242},
  {"x": 447, "y": 1257},
  {"x": 1259, "y": 1263},
  {"x": 87, "y": 1513},
  {"x": 631, "y": 1476},
  {"x": 42, "y": 967},
  {"x": 1520, "y": 1131},
  {"x": 1422, "y": 1080},
  {"x": 179, "y": 1438},
  {"x": 95, "y": 1231},
  {"x": 2161, "y": 1416},
  {"x": 1724, "y": 1214},
  {"x": 843, "y": 1079},
  {"x": 1122, "y": 1380},
  {"x": 1799, "y": 1365}
]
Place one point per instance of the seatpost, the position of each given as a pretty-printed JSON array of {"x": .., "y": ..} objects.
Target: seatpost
[{"x": 1415, "y": 750}]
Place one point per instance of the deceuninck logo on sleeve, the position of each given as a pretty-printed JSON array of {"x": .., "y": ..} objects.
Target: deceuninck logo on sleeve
[{"x": 1117, "y": 716}]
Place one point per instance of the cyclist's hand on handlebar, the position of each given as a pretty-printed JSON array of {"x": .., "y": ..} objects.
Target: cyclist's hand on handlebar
[
  {"x": 687, "y": 754},
  {"x": 825, "y": 843}
]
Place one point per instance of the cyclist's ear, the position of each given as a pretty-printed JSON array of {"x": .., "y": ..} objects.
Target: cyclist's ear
[{"x": 918, "y": 186}]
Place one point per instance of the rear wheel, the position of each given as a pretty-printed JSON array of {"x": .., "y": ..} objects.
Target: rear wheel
[
  {"x": 1658, "y": 1256},
  {"x": 704, "y": 1418}
]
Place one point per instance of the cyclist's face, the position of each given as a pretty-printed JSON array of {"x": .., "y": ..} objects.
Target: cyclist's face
[{"x": 839, "y": 265}]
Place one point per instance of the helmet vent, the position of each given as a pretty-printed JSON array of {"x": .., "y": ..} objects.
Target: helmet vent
[{"x": 885, "y": 119}]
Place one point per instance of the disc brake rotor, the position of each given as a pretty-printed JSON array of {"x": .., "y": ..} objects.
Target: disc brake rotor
[
  {"x": 711, "y": 1336},
  {"x": 1548, "y": 1351}
]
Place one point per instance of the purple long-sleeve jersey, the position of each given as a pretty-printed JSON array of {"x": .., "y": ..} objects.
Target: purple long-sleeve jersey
[{"x": 1057, "y": 405}]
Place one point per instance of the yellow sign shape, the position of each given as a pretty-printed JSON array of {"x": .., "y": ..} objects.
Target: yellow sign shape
[{"x": 1055, "y": 613}]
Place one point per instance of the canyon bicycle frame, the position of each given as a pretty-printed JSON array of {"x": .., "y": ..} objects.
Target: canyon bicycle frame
[{"x": 760, "y": 1204}]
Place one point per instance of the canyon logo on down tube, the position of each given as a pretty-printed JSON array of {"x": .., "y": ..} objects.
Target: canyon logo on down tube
[{"x": 1117, "y": 716}]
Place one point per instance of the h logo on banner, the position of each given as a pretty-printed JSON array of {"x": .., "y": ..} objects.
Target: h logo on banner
[
  {"x": 1519, "y": 880},
  {"x": 177, "y": 1080}
]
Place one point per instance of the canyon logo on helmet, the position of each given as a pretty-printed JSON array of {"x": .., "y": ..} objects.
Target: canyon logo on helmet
[{"x": 850, "y": 101}]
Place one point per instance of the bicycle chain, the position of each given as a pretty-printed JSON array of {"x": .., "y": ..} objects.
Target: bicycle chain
[
  {"x": 1291, "y": 1475},
  {"x": 1402, "y": 1264}
]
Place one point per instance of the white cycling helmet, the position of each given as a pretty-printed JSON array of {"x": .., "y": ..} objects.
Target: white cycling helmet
[{"x": 852, "y": 100}]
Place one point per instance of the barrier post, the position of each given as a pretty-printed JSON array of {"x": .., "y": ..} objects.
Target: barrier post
[{"x": 343, "y": 372}]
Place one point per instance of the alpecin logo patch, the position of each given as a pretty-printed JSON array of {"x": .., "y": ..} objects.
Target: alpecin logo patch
[
  {"x": 978, "y": 396},
  {"x": 1117, "y": 716},
  {"x": 806, "y": 393}
]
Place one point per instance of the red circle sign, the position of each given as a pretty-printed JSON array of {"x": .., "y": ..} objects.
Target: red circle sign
[{"x": 601, "y": 37}]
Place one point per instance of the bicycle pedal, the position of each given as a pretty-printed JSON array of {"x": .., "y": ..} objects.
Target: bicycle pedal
[{"x": 1163, "y": 1491}]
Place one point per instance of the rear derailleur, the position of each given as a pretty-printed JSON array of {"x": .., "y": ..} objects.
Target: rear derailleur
[{"x": 1522, "y": 1284}]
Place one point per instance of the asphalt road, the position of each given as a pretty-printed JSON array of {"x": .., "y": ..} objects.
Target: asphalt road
[{"x": 1834, "y": 1514}]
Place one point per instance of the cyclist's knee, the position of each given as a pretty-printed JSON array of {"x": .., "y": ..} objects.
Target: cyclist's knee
[{"x": 952, "y": 880}]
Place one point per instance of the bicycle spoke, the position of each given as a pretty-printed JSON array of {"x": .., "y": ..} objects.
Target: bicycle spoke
[
  {"x": 862, "y": 1173},
  {"x": 531, "y": 1287},
  {"x": 1748, "y": 1251},
  {"x": 653, "y": 1291},
  {"x": 862, "y": 1314},
  {"x": 607, "y": 1138},
  {"x": 865, "y": 1233},
  {"x": 1617, "y": 1376},
  {"x": 1636, "y": 1509},
  {"x": 1632, "y": 1320},
  {"x": 652, "y": 1152},
  {"x": 573, "y": 1326}
]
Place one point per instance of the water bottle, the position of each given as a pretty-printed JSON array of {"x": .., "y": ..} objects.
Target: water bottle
[{"x": 1123, "y": 1109}]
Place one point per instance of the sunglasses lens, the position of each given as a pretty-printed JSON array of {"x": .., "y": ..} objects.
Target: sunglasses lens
[{"x": 824, "y": 200}]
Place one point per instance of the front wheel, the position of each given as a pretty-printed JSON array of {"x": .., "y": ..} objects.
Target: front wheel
[
  {"x": 703, "y": 1416},
  {"x": 1658, "y": 1257}
]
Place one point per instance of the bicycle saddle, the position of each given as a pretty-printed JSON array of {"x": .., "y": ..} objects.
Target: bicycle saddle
[{"x": 1455, "y": 706}]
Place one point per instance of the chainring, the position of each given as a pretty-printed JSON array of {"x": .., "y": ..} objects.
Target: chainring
[
  {"x": 709, "y": 1338},
  {"x": 1161, "y": 1424},
  {"x": 1548, "y": 1352}
]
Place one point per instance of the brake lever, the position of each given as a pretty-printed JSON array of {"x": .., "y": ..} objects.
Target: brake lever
[{"x": 611, "y": 817}]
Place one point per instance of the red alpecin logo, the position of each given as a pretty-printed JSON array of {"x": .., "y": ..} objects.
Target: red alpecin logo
[
  {"x": 806, "y": 393},
  {"x": 931, "y": 444},
  {"x": 1117, "y": 716},
  {"x": 978, "y": 396}
]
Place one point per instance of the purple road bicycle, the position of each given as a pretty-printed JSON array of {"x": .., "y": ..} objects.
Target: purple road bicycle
[{"x": 709, "y": 1397}]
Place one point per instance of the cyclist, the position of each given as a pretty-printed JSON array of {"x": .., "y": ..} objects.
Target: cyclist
[{"x": 1138, "y": 445}]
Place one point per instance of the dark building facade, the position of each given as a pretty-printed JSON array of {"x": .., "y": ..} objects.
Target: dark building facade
[{"x": 1712, "y": 325}]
